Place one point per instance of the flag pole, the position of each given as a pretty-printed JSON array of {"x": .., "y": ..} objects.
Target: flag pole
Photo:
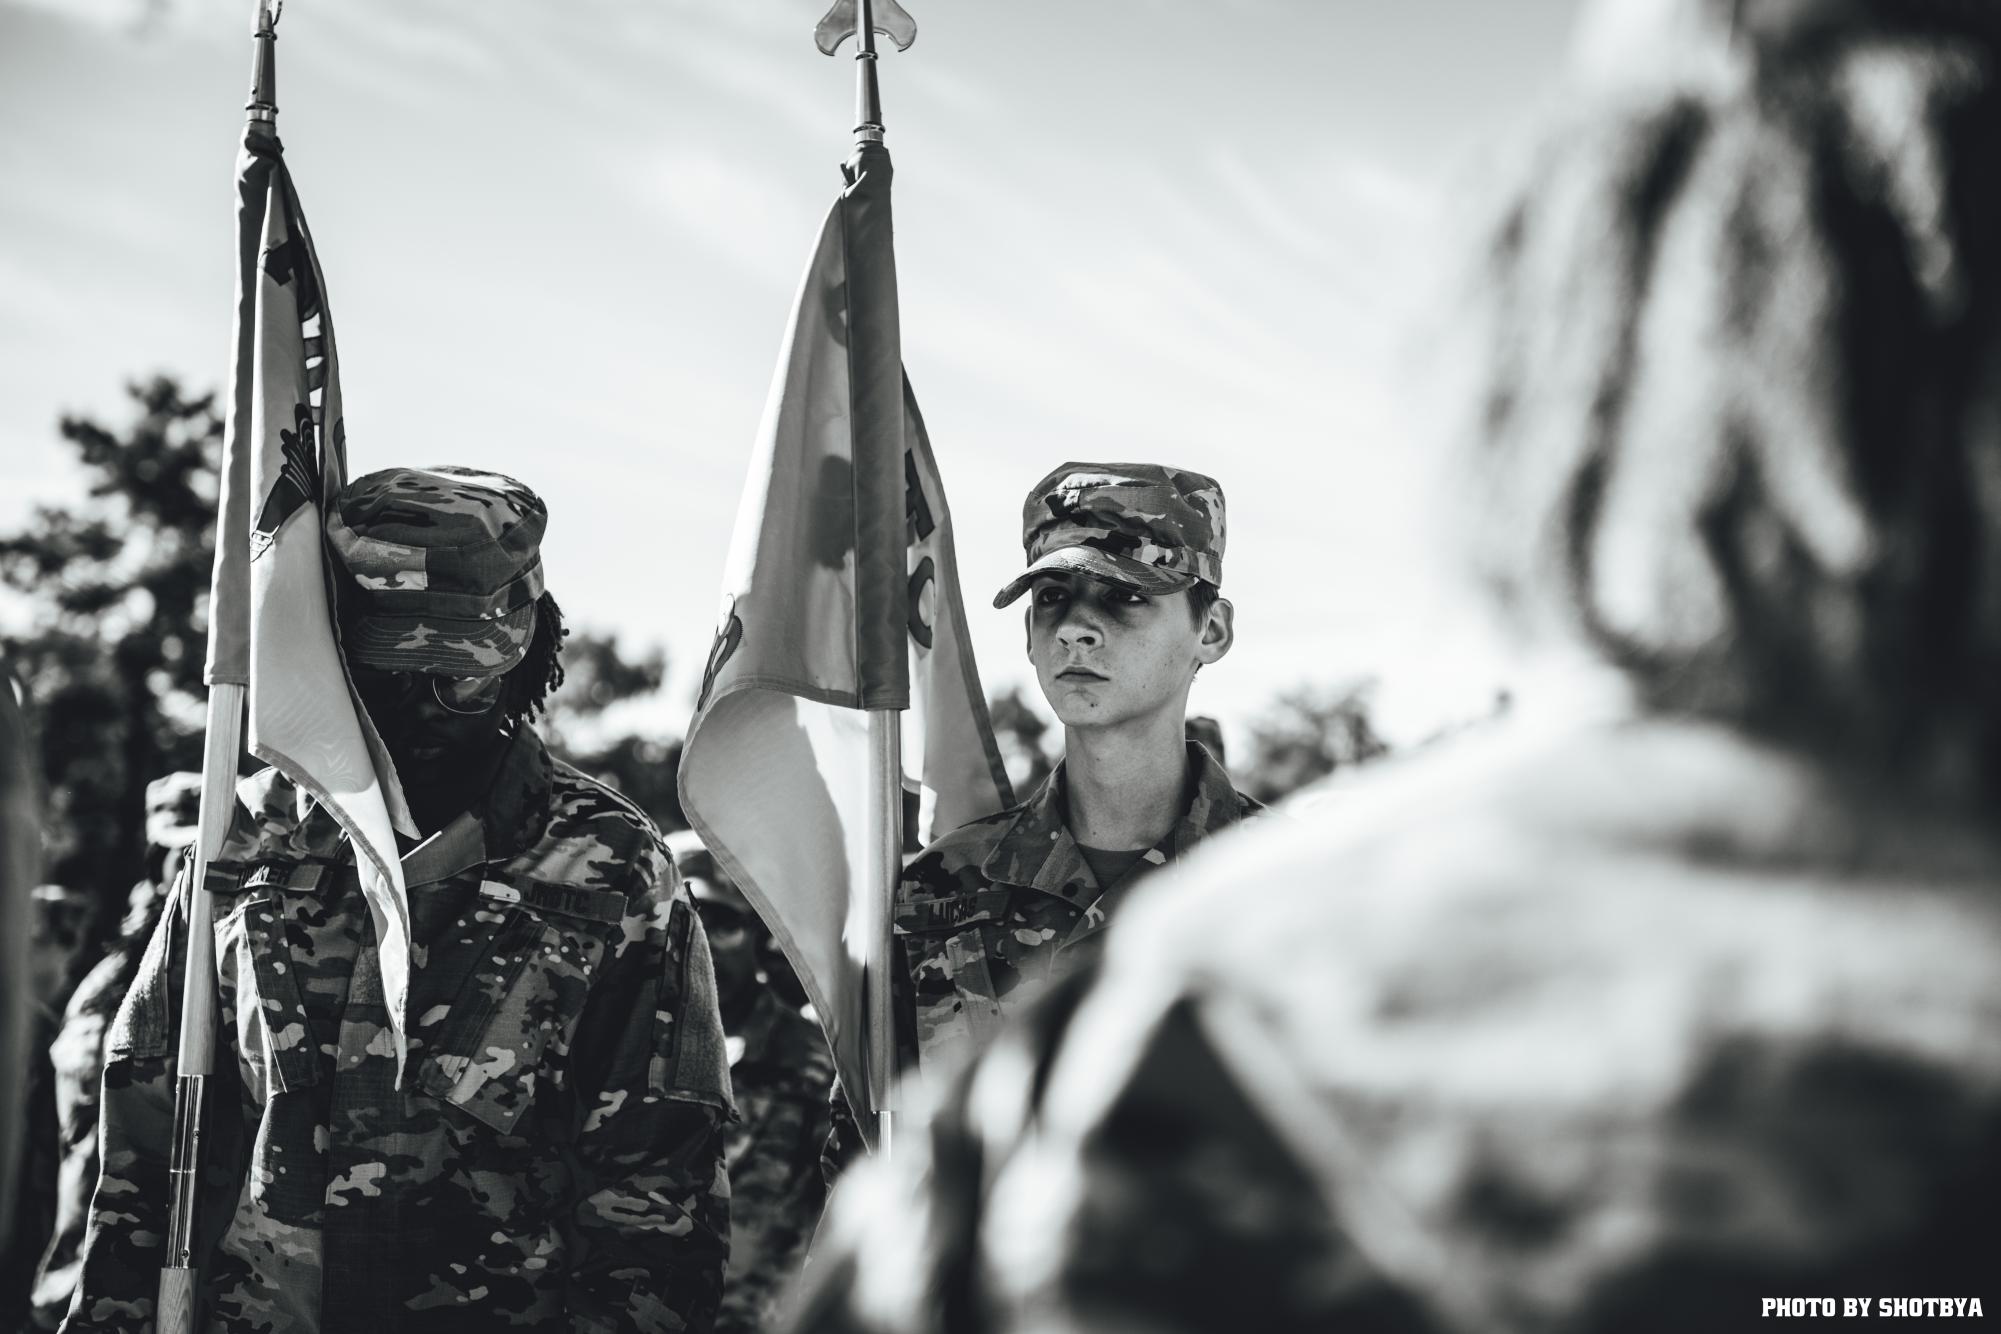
[
  {"x": 222, "y": 749},
  {"x": 885, "y": 867},
  {"x": 885, "y": 727}
]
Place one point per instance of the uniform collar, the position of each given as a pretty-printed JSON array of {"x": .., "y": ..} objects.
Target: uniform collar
[
  {"x": 1038, "y": 851},
  {"x": 502, "y": 823}
]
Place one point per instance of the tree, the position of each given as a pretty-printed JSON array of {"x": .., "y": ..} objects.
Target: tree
[
  {"x": 112, "y": 660},
  {"x": 1308, "y": 733},
  {"x": 597, "y": 675},
  {"x": 1021, "y": 730}
]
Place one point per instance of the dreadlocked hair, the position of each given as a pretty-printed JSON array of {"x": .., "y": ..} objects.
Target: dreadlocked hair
[{"x": 540, "y": 671}]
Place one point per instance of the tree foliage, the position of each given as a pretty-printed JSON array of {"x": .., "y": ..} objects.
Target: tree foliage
[
  {"x": 1025, "y": 741},
  {"x": 112, "y": 658},
  {"x": 1308, "y": 733},
  {"x": 596, "y": 675}
]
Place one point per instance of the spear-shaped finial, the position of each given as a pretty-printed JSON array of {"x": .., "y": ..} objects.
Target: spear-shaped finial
[
  {"x": 863, "y": 19},
  {"x": 263, "y": 103}
]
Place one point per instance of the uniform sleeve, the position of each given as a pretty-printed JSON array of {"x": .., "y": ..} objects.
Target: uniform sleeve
[
  {"x": 652, "y": 1208},
  {"x": 77, "y": 1056},
  {"x": 125, "y": 1238}
]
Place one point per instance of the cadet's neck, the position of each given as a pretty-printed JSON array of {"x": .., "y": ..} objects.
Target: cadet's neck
[
  {"x": 449, "y": 794},
  {"x": 1126, "y": 786}
]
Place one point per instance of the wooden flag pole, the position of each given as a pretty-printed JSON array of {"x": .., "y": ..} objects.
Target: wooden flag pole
[
  {"x": 884, "y": 835},
  {"x": 222, "y": 749}
]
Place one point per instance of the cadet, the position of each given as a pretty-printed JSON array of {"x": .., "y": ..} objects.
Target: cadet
[
  {"x": 554, "y": 1154},
  {"x": 77, "y": 1054},
  {"x": 780, "y": 1074},
  {"x": 1125, "y": 566},
  {"x": 1626, "y": 1016}
]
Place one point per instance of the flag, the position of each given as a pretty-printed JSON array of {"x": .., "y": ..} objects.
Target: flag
[
  {"x": 273, "y": 626},
  {"x": 841, "y": 594}
]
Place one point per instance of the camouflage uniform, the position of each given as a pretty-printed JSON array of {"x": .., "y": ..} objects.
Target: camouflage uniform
[
  {"x": 77, "y": 1054},
  {"x": 781, "y": 1077},
  {"x": 994, "y": 909},
  {"x": 554, "y": 1154},
  {"x": 546, "y": 1157},
  {"x": 781, "y": 1073},
  {"x": 59, "y": 948},
  {"x": 1673, "y": 1025},
  {"x": 1006, "y": 900}
]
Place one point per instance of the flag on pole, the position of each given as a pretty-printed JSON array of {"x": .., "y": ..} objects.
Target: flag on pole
[
  {"x": 841, "y": 594},
  {"x": 279, "y": 475}
]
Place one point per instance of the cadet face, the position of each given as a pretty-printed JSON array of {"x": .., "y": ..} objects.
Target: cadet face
[
  {"x": 431, "y": 743},
  {"x": 1105, "y": 654}
]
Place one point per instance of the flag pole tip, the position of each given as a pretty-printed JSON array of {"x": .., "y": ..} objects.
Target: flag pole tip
[
  {"x": 262, "y": 108},
  {"x": 841, "y": 22}
]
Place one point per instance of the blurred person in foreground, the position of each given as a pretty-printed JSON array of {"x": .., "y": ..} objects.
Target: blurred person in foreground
[
  {"x": 553, "y": 1155},
  {"x": 780, "y": 1075},
  {"x": 1636, "y": 1017},
  {"x": 173, "y": 804},
  {"x": 1125, "y": 606}
]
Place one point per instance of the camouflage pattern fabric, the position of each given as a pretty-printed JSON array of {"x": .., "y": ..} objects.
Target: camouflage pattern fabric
[
  {"x": 77, "y": 1059},
  {"x": 1155, "y": 528},
  {"x": 554, "y": 1156},
  {"x": 59, "y": 950},
  {"x": 781, "y": 1081},
  {"x": 996, "y": 909},
  {"x": 1674, "y": 1023},
  {"x": 1005, "y": 901},
  {"x": 443, "y": 568}
]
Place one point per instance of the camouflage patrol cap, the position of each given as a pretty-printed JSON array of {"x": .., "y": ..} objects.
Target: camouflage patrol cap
[
  {"x": 173, "y": 810},
  {"x": 444, "y": 566},
  {"x": 1153, "y": 528}
]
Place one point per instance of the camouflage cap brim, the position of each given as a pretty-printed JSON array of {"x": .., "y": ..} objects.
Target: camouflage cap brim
[
  {"x": 1149, "y": 579},
  {"x": 442, "y": 645}
]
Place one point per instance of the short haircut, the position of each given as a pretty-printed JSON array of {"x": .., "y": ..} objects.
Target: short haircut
[
  {"x": 1737, "y": 416},
  {"x": 1202, "y": 595}
]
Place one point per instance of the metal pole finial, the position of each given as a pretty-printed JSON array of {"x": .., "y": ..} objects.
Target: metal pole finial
[
  {"x": 863, "y": 19},
  {"x": 263, "y": 103}
]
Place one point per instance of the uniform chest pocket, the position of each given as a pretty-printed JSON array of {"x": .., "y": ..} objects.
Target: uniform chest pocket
[
  {"x": 497, "y": 1000},
  {"x": 264, "y": 952},
  {"x": 947, "y": 943}
]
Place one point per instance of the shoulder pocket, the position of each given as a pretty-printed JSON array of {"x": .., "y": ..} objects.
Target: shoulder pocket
[
  {"x": 143, "y": 1026},
  {"x": 274, "y": 1031},
  {"x": 690, "y": 1059}
]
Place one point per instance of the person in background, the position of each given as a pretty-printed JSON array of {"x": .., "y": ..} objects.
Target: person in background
[
  {"x": 20, "y": 862},
  {"x": 1672, "y": 993},
  {"x": 173, "y": 804},
  {"x": 781, "y": 1074},
  {"x": 553, "y": 1153}
]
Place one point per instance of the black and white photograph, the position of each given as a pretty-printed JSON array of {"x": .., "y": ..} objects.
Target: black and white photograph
[{"x": 999, "y": 666}]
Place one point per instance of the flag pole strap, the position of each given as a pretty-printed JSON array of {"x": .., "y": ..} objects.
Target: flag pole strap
[
  {"x": 885, "y": 868},
  {"x": 196, "y": 1058}
]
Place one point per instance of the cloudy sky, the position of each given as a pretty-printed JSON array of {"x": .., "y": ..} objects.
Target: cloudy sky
[{"x": 561, "y": 241}]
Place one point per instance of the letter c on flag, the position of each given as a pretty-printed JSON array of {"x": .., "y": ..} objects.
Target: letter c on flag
[{"x": 923, "y": 601}]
